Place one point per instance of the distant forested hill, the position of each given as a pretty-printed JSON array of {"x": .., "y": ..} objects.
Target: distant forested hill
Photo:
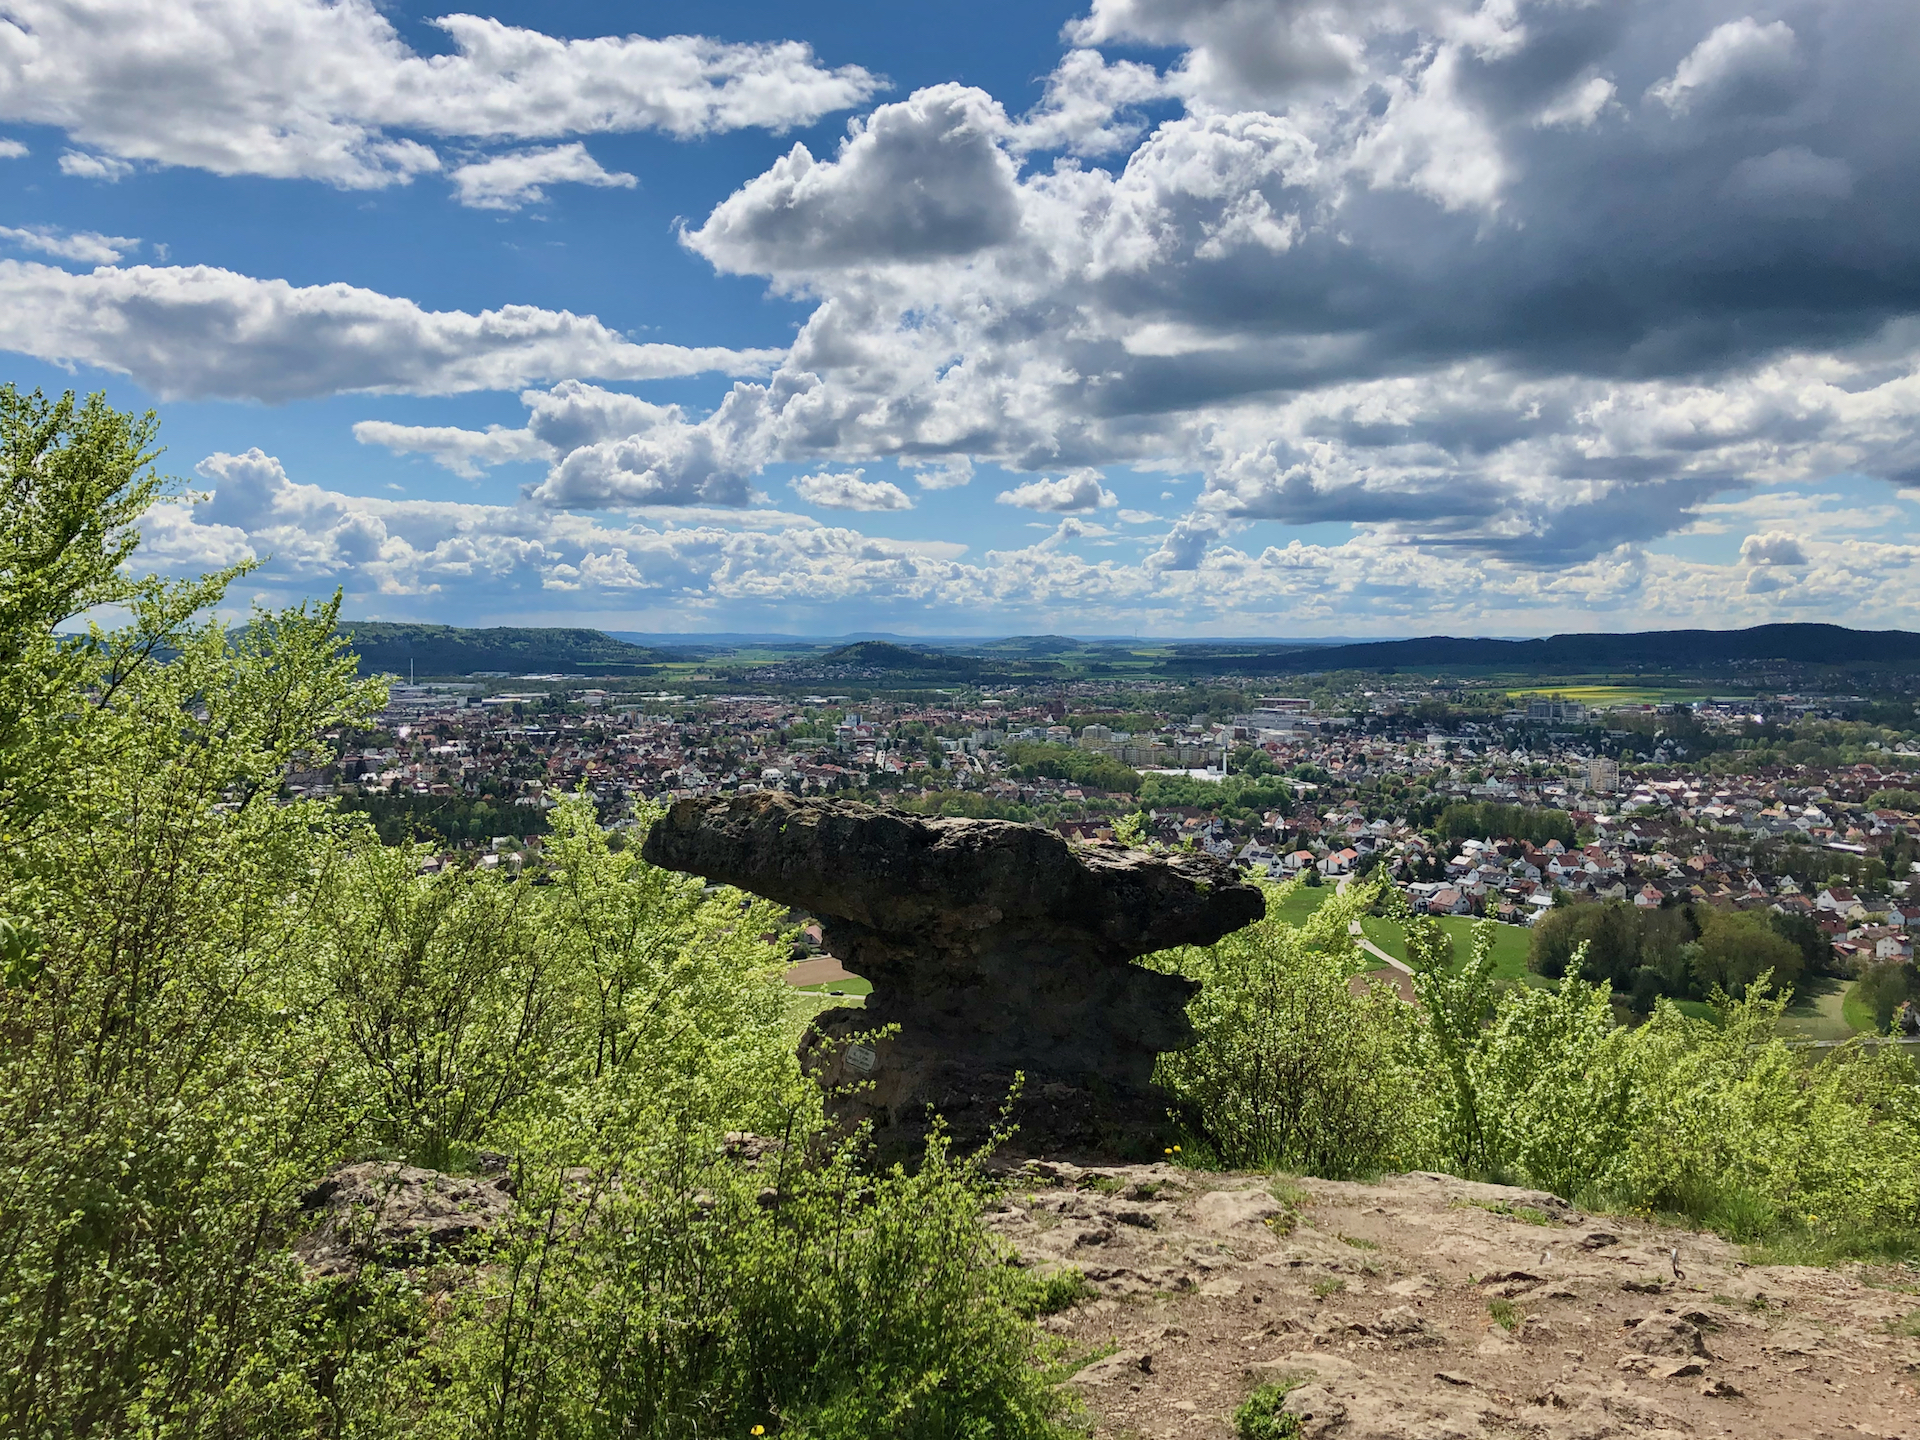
[
  {"x": 880, "y": 655},
  {"x": 1651, "y": 650},
  {"x": 442, "y": 650}
]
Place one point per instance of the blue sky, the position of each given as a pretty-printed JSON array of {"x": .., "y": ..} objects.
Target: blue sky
[{"x": 1180, "y": 316}]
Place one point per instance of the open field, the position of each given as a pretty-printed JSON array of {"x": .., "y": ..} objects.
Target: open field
[
  {"x": 1301, "y": 902},
  {"x": 1858, "y": 1016},
  {"x": 1509, "y": 945},
  {"x": 852, "y": 985},
  {"x": 1603, "y": 695},
  {"x": 1819, "y": 1011}
]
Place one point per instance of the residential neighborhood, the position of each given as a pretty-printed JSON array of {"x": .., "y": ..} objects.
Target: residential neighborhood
[{"x": 1610, "y": 806}]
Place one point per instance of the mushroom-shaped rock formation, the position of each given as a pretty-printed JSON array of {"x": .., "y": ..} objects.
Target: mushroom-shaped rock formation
[{"x": 993, "y": 947}]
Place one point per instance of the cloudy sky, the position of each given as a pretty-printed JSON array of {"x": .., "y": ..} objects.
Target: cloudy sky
[{"x": 1276, "y": 317}]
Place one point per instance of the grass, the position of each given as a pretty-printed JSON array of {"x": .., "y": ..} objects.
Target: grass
[
  {"x": 1858, "y": 1014},
  {"x": 1698, "y": 1010},
  {"x": 1358, "y": 1242},
  {"x": 852, "y": 985},
  {"x": 1302, "y": 901},
  {"x": 1908, "y": 1326},
  {"x": 1509, "y": 945},
  {"x": 1050, "y": 1294},
  {"x": 1260, "y": 1416},
  {"x": 1507, "y": 1315},
  {"x": 1524, "y": 1213},
  {"x": 1819, "y": 1011},
  {"x": 804, "y": 1005},
  {"x": 1322, "y": 1289},
  {"x": 1833, "y": 1244},
  {"x": 1287, "y": 1193}
]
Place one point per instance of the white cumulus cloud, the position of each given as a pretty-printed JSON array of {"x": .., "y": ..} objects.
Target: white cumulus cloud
[
  {"x": 509, "y": 181},
  {"x": 1773, "y": 548},
  {"x": 198, "y": 331},
  {"x": 464, "y": 452},
  {"x": 1740, "y": 56},
  {"x": 850, "y": 492},
  {"x": 328, "y": 90},
  {"x": 89, "y": 247},
  {"x": 82, "y": 166},
  {"x": 1068, "y": 495},
  {"x": 475, "y": 563}
]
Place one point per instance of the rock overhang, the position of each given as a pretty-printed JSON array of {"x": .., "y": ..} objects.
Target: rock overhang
[
  {"x": 904, "y": 875},
  {"x": 995, "y": 949}
]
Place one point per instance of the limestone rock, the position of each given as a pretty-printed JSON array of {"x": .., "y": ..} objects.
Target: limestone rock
[
  {"x": 994, "y": 947},
  {"x": 1670, "y": 1335},
  {"x": 397, "y": 1214},
  {"x": 1121, "y": 1365}
]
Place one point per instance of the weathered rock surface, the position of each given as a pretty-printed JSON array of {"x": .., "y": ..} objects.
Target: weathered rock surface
[
  {"x": 1375, "y": 1300},
  {"x": 394, "y": 1214},
  {"x": 994, "y": 947},
  {"x": 1371, "y": 1299}
]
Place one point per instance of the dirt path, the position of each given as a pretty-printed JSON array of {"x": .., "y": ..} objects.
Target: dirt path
[{"x": 1381, "y": 1299}]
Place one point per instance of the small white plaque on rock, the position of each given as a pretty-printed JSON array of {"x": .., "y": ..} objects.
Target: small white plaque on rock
[{"x": 862, "y": 1059}]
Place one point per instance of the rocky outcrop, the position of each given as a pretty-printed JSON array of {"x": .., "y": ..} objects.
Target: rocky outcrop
[
  {"x": 993, "y": 947},
  {"x": 385, "y": 1213},
  {"x": 1421, "y": 1307}
]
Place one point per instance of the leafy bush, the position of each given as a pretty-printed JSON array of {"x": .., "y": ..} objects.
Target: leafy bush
[
  {"x": 1723, "y": 1123},
  {"x": 669, "y": 1291},
  {"x": 211, "y": 998},
  {"x": 1291, "y": 1068},
  {"x": 1535, "y": 1084},
  {"x": 1259, "y": 1416}
]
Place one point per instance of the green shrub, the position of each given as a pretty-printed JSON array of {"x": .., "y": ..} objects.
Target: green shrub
[
  {"x": 1050, "y": 1294},
  {"x": 1259, "y": 1416},
  {"x": 1722, "y": 1123},
  {"x": 1291, "y": 1069},
  {"x": 211, "y": 998},
  {"x": 671, "y": 1292}
]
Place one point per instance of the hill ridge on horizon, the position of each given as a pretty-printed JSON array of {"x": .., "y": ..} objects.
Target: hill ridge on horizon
[{"x": 431, "y": 649}]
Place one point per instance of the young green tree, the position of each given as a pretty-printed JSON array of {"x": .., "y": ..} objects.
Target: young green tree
[
  {"x": 1292, "y": 1067},
  {"x": 1738, "y": 947},
  {"x": 163, "y": 1102},
  {"x": 213, "y": 996}
]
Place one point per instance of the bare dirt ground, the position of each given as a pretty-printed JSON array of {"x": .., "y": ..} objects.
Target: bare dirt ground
[
  {"x": 1381, "y": 1299},
  {"x": 821, "y": 970}
]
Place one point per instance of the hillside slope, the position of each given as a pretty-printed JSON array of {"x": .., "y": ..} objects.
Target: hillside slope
[
  {"x": 447, "y": 650},
  {"x": 1651, "y": 650}
]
